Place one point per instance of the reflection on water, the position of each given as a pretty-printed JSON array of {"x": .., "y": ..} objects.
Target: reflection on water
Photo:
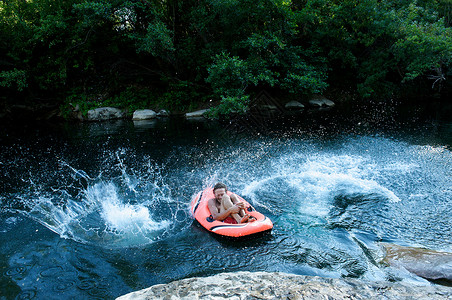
[{"x": 98, "y": 210}]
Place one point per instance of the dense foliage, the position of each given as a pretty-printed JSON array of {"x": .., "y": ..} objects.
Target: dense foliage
[{"x": 179, "y": 54}]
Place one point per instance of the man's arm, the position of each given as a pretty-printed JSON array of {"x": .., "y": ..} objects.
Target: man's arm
[
  {"x": 220, "y": 216},
  {"x": 236, "y": 201}
]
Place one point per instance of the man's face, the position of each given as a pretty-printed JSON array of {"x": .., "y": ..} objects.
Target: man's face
[{"x": 219, "y": 193}]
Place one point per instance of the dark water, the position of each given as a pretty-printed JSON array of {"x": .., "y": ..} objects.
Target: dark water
[{"x": 99, "y": 210}]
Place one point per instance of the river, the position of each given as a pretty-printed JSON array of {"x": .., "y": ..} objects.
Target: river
[{"x": 97, "y": 210}]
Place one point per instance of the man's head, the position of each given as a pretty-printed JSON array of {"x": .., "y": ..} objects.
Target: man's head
[{"x": 219, "y": 190}]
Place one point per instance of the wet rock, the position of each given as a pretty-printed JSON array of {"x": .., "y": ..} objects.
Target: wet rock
[
  {"x": 105, "y": 113},
  {"x": 163, "y": 113},
  {"x": 429, "y": 264},
  {"x": 196, "y": 114},
  {"x": 144, "y": 114},
  {"x": 267, "y": 107},
  {"x": 262, "y": 285},
  {"x": 294, "y": 105},
  {"x": 320, "y": 101}
]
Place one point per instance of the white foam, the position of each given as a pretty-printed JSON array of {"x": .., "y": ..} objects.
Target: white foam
[
  {"x": 102, "y": 217},
  {"x": 317, "y": 179},
  {"x": 122, "y": 217},
  {"x": 130, "y": 218}
]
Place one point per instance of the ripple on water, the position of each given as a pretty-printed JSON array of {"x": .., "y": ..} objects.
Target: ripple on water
[
  {"x": 99, "y": 293},
  {"x": 52, "y": 271},
  {"x": 87, "y": 284},
  {"x": 27, "y": 294},
  {"x": 63, "y": 285},
  {"x": 18, "y": 272}
]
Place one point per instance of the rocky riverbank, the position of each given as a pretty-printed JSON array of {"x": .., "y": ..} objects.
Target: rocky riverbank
[
  {"x": 262, "y": 285},
  {"x": 263, "y": 104}
]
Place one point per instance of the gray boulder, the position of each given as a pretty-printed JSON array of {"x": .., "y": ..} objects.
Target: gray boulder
[
  {"x": 262, "y": 285},
  {"x": 425, "y": 263},
  {"x": 294, "y": 105},
  {"x": 196, "y": 114},
  {"x": 144, "y": 114},
  {"x": 320, "y": 101},
  {"x": 105, "y": 113}
]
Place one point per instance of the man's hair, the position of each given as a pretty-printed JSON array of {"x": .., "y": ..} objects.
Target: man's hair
[{"x": 220, "y": 185}]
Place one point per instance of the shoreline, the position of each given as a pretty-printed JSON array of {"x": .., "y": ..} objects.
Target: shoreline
[{"x": 264, "y": 108}]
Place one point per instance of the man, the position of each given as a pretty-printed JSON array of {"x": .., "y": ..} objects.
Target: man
[{"x": 227, "y": 208}]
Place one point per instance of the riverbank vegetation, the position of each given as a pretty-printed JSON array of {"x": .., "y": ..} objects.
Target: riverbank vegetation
[{"x": 181, "y": 55}]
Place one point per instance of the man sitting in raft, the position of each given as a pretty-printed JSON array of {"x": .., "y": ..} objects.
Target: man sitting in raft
[{"x": 227, "y": 208}]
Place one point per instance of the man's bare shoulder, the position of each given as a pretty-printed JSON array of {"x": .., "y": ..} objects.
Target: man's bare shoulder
[{"x": 212, "y": 205}]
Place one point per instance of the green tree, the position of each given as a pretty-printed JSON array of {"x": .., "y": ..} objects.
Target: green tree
[
  {"x": 376, "y": 45},
  {"x": 259, "y": 38},
  {"x": 179, "y": 53}
]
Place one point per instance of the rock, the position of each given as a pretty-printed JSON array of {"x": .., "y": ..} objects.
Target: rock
[
  {"x": 163, "y": 113},
  {"x": 425, "y": 263},
  {"x": 144, "y": 114},
  {"x": 320, "y": 101},
  {"x": 294, "y": 105},
  {"x": 263, "y": 285},
  {"x": 266, "y": 110},
  {"x": 105, "y": 113},
  {"x": 196, "y": 114},
  {"x": 267, "y": 107}
]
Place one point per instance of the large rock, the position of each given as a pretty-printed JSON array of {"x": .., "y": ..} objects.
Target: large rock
[
  {"x": 196, "y": 114},
  {"x": 144, "y": 114},
  {"x": 294, "y": 105},
  {"x": 425, "y": 263},
  {"x": 320, "y": 101},
  {"x": 261, "y": 285},
  {"x": 105, "y": 113}
]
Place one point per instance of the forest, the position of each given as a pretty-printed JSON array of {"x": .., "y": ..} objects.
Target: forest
[{"x": 181, "y": 55}]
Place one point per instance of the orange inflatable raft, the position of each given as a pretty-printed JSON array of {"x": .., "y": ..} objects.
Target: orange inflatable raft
[{"x": 201, "y": 212}]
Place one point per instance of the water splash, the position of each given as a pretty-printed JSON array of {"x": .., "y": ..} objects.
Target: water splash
[
  {"x": 131, "y": 209},
  {"x": 122, "y": 217},
  {"x": 313, "y": 182}
]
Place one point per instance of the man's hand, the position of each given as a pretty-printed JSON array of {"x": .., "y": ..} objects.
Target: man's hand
[
  {"x": 234, "y": 209},
  {"x": 241, "y": 205}
]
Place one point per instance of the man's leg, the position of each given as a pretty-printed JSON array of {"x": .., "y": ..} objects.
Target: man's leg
[
  {"x": 234, "y": 201},
  {"x": 226, "y": 203}
]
